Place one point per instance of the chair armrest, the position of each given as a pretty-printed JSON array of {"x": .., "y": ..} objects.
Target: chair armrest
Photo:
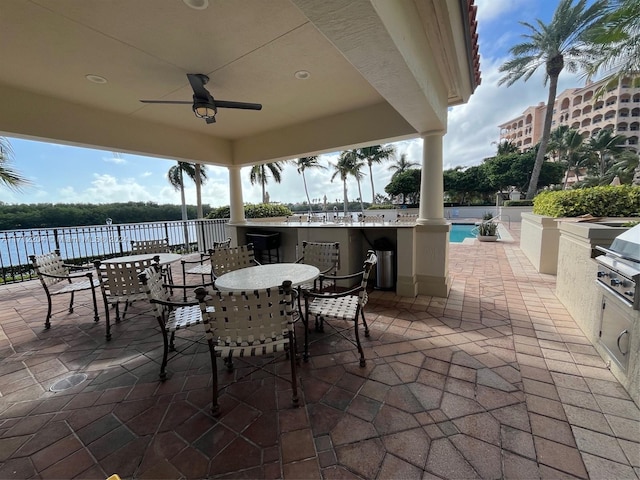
[
  {"x": 174, "y": 304},
  {"x": 70, "y": 276},
  {"x": 74, "y": 267},
  {"x": 309, "y": 293},
  {"x": 341, "y": 277},
  {"x": 187, "y": 287}
]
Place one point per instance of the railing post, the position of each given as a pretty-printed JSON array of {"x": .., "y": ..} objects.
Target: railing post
[
  {"x": 55, "y": 238},
  {"x": 120, "y": 239}
]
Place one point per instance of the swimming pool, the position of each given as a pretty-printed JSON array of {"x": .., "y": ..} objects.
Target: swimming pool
[{"x": 460, "y": 231}]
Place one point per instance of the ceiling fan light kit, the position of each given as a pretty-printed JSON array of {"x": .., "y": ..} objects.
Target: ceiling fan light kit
[{"x": 204, "y": 105}]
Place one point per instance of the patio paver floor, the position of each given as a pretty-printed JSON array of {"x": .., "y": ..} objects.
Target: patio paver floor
[{"x": 495, "y": 381}]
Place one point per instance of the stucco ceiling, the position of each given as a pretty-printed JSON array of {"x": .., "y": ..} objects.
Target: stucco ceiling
[{"x": 379, "y": 71}]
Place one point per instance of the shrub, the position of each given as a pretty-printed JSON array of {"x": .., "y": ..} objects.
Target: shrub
[
  {"x": 260, "y": 210},
  {"x": 606, "y": 201},
  {"x": 487, "y": 229},
  {"x": 518, "y": 203}
]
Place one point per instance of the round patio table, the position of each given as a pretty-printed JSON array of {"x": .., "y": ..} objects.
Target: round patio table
[{"x": 266, "y": 276}]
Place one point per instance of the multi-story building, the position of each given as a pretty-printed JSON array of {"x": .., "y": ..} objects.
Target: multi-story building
[{"x": 618, "y": 110}]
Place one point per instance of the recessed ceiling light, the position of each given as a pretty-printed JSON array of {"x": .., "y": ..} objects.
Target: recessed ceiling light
[
  {"x": 196, "y": 4},
  {"x": 302, "y": 74},
  {"x": 95, "y": 78}
]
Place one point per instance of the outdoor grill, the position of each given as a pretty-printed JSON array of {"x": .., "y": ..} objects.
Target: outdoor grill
[
  {"x": 619, "y": 276},
  {"x": 619, "y": 268}
]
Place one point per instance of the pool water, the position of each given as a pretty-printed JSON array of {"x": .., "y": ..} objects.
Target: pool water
[{"x": 460, "y": 231}]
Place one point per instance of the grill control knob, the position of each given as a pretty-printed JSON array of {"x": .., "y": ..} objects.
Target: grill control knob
[
  {"x": 615, "y": 282},
  {"x": 602, "y": 274},
  {"x": 629, "y": 293}
]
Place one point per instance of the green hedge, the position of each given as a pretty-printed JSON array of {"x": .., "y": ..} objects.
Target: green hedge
[
  {"x": 260, "y": 210},
  {"x": 518, "y": 203},
  {"x": 607, "y": 201}
]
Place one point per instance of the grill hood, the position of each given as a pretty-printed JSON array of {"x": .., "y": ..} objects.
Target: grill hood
[{"x": 627, "y": 244}]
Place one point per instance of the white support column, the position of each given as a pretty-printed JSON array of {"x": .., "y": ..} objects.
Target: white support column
[
  {"x": 236, "y": 203},
  {"x": 431, "y": 186},
  {"x": 431, "y": 234}
]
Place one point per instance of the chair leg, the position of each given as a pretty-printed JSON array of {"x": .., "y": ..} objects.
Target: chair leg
[
  {"x": 47, "y": 322},
  {"x": 107, "y": 320},
  {"x": 172, "y": 345},
  {"x": 363, "y": 362},
  {"x": 215, "y": 408},
  {"x": 71, "y": 302},
  {"x": 95, "y": 305},
  {"x": 294, "y": 378},
  {"x": 364, "y": 322},
  {"x": 165, "y": 352}
]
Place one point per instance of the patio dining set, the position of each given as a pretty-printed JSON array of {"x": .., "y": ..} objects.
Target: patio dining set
[{"x": 242, "y": 307}]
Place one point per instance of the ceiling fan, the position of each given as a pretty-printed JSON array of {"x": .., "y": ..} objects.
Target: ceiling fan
[{"x": 203, "y": 104}]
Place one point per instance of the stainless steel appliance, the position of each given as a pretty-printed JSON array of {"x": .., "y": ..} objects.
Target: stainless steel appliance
[{"x": 619, "y": 276}]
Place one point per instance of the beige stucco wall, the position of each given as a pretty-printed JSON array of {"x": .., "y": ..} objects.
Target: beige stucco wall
[
  {"x": 539, "y": 238},
  {"x": 577, "y": 289}
]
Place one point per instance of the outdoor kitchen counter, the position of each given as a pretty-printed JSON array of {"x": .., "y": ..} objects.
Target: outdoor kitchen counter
[
  {"x": 577, "y": 289},
  {"x": 355, "y": 238}
]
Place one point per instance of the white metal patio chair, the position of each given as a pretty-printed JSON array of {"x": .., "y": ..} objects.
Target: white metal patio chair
[
  {"x": 202, "y": 265},
  {"x": 228, "y": 259},
  {"x": 154, "y": 246},
  {"x": 347, "y": 306},
  {"x": 59, "y": 278},
  {"x": 119, "y": 283},
  {"x": 171, "y": 315},
  {"x": 247, "y": 324},
  {"x": 325, "y": 256}
]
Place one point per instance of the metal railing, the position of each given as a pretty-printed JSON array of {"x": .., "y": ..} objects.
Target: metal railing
[{"x": 81, "y": 245}]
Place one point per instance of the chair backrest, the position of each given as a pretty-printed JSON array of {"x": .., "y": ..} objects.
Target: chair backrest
[
  {"x": 150, "y": 246},
  {"x": 49, "y": 264},
  {"x": 251, "y": 318},
  {"x": 120, "y": 279},
  {"x": 228, "y": 259},
  {"x": 324, "y": 255},
  {"x": 152, "y": 284},
  {"x": 370, "y": 261},
  {"x": 225, "y": 244}
]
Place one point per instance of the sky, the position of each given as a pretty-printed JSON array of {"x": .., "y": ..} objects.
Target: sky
[{"x": 66, "y": 174}]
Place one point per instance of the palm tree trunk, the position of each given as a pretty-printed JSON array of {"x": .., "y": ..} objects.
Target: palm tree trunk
[
  {"x": 546, "y": 131},
  {"x": 182, "y": 198},
  {"x": 198, "y": 182},
  {"x": 360, "y": 193},
  {"x": 373, "y": 188},
  {"x": 306, "y": 191},
  {"x": 345, "y": 199}
]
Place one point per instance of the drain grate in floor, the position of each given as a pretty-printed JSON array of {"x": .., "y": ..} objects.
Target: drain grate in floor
[{"x": 68, "y": 382}]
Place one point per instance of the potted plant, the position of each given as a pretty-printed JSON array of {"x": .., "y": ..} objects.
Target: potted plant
[{"x": 487, "y": 231}]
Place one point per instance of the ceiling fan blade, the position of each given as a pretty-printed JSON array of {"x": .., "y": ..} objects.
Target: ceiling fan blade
[
  {"x": 181, "y": 102},
  {"x": 242, "y": 105},
  {"x": 198, "y": 81}
]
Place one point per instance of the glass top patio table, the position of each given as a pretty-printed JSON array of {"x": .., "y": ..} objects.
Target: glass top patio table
[
  {"x": 267, "y": 276},
  {"x": 165, "y": 258}
]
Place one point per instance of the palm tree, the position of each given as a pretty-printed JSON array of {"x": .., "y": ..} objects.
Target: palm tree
[
  {"x": 306, "y": 163},
  {"x": 8, "y": 176},
  {"x": 506, "y": 147},
  {"x": 618, "y": 40},
  {"x": 375, "y": 154},
  {"x": 575, "y": 154},
  {"x": 343, "y": 168},
  {"x": 563, "y": 43},
  {"x": 556, "y": 145},
  {"x": 260, "y": 174},
  {"x": 175, "y": 176},
  {"x": 603, "y": 146},
  {"x": 401, "y": 165},
  {"x": 356, "y": 170}
]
